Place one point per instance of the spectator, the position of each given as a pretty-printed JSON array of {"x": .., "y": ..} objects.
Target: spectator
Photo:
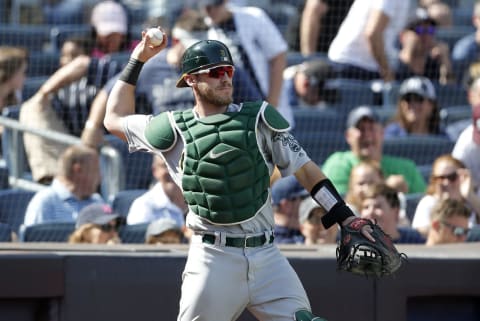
[
  {"x": 73, "y": 188},
  {"x": 164, "y": 231},
  {"x": 417, "y": 110},
  {"x": 310, "y": 215},
  {"x": 421, "y": 54},
  {"x": 156, "y": 91},
  {"x": 467, "y": 49},
  {"x": 109, "y": 21},
  {"x": 467, "y": 147},
  {"x": 96, "y": 224},
  {"x": 13, "y": 67},
  {"x": 72, "y": 48},
  {"x": 364, "y": 135},
  {"x": 449, "y": 179},
  {"x": 163, "y": 200},
  {"x": 306, "y": 85},
  {"x": 449, "y": 222},
  {"x": 315, "y": 25},
  {"x": 362, "y": 176},
  {"x": 62, "y": 104},
  {"x": 364, "y": 47},
  {"x": 287, "y": 193},
  {"x": 261, "y": 54},
  {"x": 382, "y": 205},
  {"x": 368, "y": 173}
]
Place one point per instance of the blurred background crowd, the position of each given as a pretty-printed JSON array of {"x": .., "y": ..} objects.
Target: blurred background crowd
[{"x": 383, "y": 95}]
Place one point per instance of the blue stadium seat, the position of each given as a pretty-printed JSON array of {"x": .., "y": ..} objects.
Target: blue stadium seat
[
  {"x": 47, "y": 232},
  {"x": 422, "y": 149},
  {"x": 452, "y": 34},
  {"x": 133, "y": 233},
  {"x": 412, "y": 202},
  {"x": 319, "y": 145},
  {"x": 13, "y": 204},
  {"x": 5, "y": 233},
  {"x": 32, "y": 85},
  {"x": 318, "y": 120},
  {"x": 123, "y": 200},
  {"x": 353, "y": 93},
  {"x": 451, "y": 95},
  {"x": 42, "y": 64},
  {"x": 138, "y": 173},
  {"x": 35, "y": 38}
]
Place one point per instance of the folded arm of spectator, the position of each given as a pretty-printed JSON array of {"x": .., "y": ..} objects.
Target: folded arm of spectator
[{"x": 310, "y": 25}]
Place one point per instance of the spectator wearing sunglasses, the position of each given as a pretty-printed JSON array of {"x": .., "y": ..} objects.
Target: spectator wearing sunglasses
[
  {"x": 449, "y": 180},
  {"x": 417, "y": 110},
  {"x": 449, "y": 222},
  {"x": 421, "y": 54},
  {"x": 96, "y": 224}
]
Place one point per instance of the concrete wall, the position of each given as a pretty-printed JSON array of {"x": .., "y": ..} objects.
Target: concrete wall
[{"x": 142, "y": 283}]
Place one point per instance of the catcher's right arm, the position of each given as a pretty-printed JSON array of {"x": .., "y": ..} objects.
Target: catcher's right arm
[{"x": 357, "y": 254}]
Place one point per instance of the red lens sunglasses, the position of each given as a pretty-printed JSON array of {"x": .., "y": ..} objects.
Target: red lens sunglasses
[{"x": 217, "y": 72}]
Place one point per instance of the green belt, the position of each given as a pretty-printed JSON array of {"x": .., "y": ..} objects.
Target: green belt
[{"x": 249, "y": 241}]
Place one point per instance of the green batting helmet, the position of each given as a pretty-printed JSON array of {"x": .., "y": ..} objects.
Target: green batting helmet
[{"x": 202, "y": 55}]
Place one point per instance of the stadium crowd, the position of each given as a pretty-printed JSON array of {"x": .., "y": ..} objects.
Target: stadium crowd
[{"x": 374, "y": 74}]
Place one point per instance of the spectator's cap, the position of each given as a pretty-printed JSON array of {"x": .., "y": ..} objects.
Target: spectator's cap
[
  {"x": 204, "y": 3},
  {"x": 476, "y": 124},
  {"x": 162, "y": 225},
  {"x": 420, "y": 17},
  {"x": 360, "y": 113},
  {"x": 418, "y": 85},
  {"x": 97, "y": 213},
  {"x": 108, "y": 17},
  {"x": 287, "y": 188},
  {"x": 306, "y": 208}
]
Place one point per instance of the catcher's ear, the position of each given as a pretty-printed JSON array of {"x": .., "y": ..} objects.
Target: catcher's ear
[{"x": 190, "y": 80}]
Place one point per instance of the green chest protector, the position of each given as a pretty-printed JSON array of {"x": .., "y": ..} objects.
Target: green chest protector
[{"x": 225, "y": 178}]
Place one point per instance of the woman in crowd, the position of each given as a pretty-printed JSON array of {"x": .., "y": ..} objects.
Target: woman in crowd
[
  {"x": 417, "y": 110},
  {"x": 449, "y": 180}
]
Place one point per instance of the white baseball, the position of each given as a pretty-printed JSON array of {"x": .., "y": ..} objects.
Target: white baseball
[{"x": 156, "y": 36}]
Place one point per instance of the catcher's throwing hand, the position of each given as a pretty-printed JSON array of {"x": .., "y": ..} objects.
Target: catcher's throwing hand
[{"x": 366, "y": 250}]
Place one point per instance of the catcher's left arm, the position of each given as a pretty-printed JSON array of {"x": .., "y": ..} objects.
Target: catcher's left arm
[{"x": 363, "y": 236}]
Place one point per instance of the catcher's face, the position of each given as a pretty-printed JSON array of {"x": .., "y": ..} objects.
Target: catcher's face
[
  {"x": 366, "y": 139},
  {"x": 215, "y": 89}
]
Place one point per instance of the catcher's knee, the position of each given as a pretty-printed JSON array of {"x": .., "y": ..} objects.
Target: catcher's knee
[{"x": 304, "y": 315}]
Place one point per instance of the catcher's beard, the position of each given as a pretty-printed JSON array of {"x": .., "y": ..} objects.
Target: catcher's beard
[{"x": 209, "y": 96}]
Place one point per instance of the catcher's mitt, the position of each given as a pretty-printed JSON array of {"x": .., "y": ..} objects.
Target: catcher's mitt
[{"x": 357, "y": 254}]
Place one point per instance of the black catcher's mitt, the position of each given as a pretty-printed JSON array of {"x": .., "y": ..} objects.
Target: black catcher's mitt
[{"x": 357, "y": 254}]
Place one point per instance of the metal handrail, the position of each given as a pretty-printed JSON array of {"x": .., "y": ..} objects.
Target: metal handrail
[{"x": 112, "y": 173}]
